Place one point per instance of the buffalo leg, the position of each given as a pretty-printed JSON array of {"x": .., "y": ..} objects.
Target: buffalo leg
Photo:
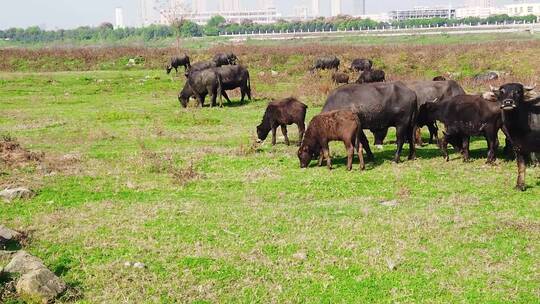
[
  {"x": 433, "y": 133},
  {"x": 359, "y": 149},
  {"x": 521, "y": 171},
  {"x": 364, "y": 141},
  {"x": 418, "y": 137},
  {"x": 224, "y": 94},
  {"x": 401, "y": 135},
  {"x": 321, "y": 158},
  {"x": 326, "y": 153},
  {"x": 493, "y": 144},
  {"x": 350, "y": 153},
  {"x": 284, "y": 131},
  {"x": 274, "y": 129},
  {"x": 301, "y": 131},
  {"x": 443, "y": 146},
  {"x": 465, "y": 139}
]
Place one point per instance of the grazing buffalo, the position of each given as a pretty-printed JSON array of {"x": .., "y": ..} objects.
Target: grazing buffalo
[
  {"x": 361, "y": 64},
  {"x": 177, "y": 62},
  {"x": 331, "y": 126},
  {"x": 521, "y": 120},
  {"x": 199, "y": 66},
  {"x": 439, "y": 78},
  {"x": 200, "y": 84},
  {"x": 326, "y": 63},
  {"x": 235, "y": 76},
  {"x": 380, "y": 105},
  {"x": 370, "y": 76},
  {"x": 282, "y": 113},
  {"x": 340, "y": 78},
  {"x": 464, "y": 116},
  {"x": 225, "y": 59},
  {"x": 426, "y": 92}
]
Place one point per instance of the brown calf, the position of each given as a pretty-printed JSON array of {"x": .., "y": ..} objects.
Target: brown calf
[
  {"x": 340, "y": 78},
  {"x": 282, "y": 113},
  {"x": 339, "y": 125}
]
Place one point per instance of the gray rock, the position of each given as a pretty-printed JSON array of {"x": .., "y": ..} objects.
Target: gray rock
[
  {"x": 392, "y": 203},
  {"x": 139, "y": 265},
  {"x": 40, "y": 285},
  {"x": 492, "y": 75},
  {"x": 7, "y": 235},
  {"x": 22, "y": 262},
  {"x": 16, "y": 193}
]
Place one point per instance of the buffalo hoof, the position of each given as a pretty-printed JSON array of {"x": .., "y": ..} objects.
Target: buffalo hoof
[{"x": 521, "y": 187}]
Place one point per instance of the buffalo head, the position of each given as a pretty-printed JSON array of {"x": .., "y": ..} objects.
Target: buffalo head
[{"x": 511, "y": 95}]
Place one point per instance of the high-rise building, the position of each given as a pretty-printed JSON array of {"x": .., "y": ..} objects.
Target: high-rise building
[
  {"x": 119, "y": 18},
  {"x": 148, "y": 12},
  {"x": 199, "y": 6},
  {"x": 335, "y": 7},
  {"x": 480, "y": 3},
  {"x": 229, "y": 5},
  {"x": 315, "y": 8}
]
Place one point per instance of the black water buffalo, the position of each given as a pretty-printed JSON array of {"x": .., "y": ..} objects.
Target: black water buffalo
[
  {"x": 439, "y": 78},
  {"x": 199, "y": 66},
  {"x": 326, "y": 63},
  {"x": 361, "y": 64},
  {"x": 235, "y": 76},
  {"x": 426, "y": 91},
  {"x": 342, "y": 125},
  {"x": 282, "y": 113},
  {"x": 200, "y": 84},
  {"x": 177, "y": 62},
  {"x": 521, "y": 120},
  {"x": 225, "y": 59},
  {"x": 379, "y": 106},
  {"x": 370, "y": 76},
  {"x": 464, "y": 116},
  {"x": 340, "y": 78}
]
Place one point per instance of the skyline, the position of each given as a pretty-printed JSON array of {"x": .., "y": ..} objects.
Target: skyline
[{"x": 56, "y": 14}]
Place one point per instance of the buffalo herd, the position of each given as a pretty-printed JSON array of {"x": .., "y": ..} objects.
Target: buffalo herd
[{"x": 374, "y": 104}]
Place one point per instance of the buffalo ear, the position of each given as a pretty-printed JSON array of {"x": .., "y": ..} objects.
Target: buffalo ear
[
  {"x": 529, "y": 88},
  {"x": 495, "y": 91}
]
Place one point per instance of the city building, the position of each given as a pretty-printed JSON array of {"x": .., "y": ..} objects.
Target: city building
[
  {"x": 147, "y": 12},
  {"x": 336, "y": 7},
  {"x": 229, "y": 5},
  {"x": 422, "y": 13},
  {"x": 301, "y": 12},
  {"x": 480, "y": 12},
  {"x": 200, "y": 6},
  {"x": 479, "y": 3},
  {"x": 119, "y": 18},
  {"x": 315, "y": 8},
  {"x": 523, "y": 9},
  {"x": 264, "y": 16}
]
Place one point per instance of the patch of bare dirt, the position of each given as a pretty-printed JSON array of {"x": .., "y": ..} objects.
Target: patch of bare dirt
[{"x": 12, "y": 154}]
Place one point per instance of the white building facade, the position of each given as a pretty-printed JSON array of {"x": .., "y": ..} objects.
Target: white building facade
[
  {"x": 523, "y": 9},
  {"x": 336, "y": 8},
  {"x": 119, "y": 18}
]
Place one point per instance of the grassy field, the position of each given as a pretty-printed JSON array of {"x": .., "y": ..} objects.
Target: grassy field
[{"x": 128, "y": 176}]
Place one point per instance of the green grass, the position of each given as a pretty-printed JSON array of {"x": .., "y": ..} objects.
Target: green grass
[{"x": 217, "y": 219}]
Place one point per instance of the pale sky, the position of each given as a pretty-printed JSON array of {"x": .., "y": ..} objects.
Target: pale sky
[{"x": 51, "y": 14}]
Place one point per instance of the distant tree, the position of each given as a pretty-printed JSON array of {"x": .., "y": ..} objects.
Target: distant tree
[
  {"x": 216, "y": 21},
  {"x": 106, "y": 26}
]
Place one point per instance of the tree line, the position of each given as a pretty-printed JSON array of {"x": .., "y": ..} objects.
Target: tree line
[{"x": 217, "y": 25}]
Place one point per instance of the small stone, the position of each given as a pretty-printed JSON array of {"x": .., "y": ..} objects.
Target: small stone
[
  {"x": 274, "y": 73},
  {"x": 139, "y": 265},
  {"x": 391, "y": 264},
  {"x": 7, "y": 235},
  {"x": 300, "y": 256},
  {"x": 16, "y": 193},
  {"x": 22, "y": 262},
  {"x": 127, "y": 264},
  {"x": 392, "y": 203},
  {"x": 40, "y": 286}
]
